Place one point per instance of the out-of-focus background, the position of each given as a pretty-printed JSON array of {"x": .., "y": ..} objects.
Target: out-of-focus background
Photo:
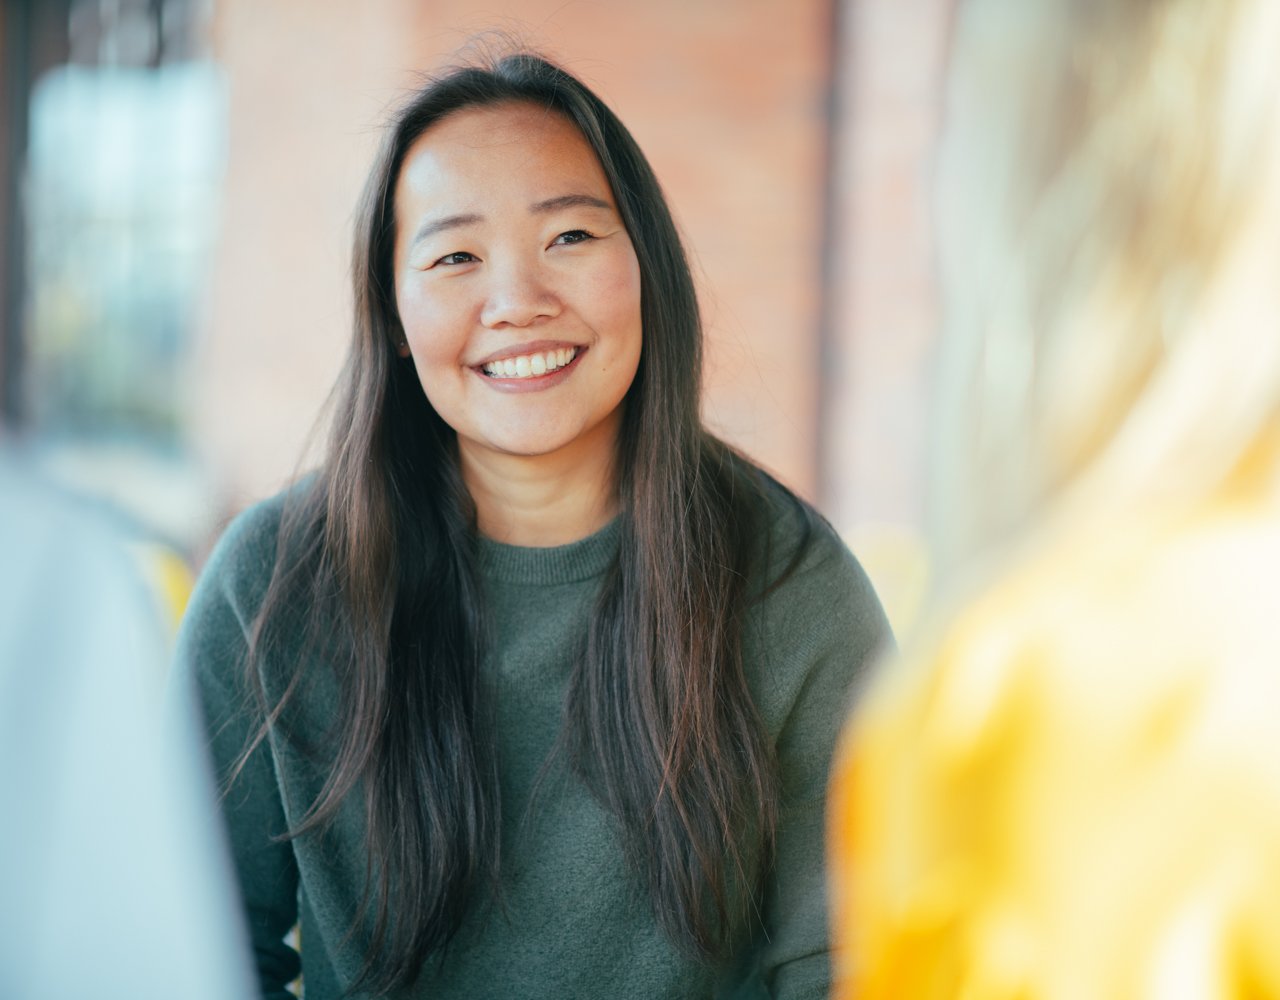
[{"x": 178, "y": 180}]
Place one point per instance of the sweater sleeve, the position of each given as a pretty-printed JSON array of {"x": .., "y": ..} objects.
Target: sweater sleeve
[
  {"x": 211, "y": 655},
  {"x": 819, "y": 634}
]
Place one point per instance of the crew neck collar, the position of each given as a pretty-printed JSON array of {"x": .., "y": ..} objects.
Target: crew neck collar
[{"x": 581, "y": 560}]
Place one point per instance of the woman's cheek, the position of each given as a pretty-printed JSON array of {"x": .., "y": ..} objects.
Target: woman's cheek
[
  {"x": 411, "y": 302},
  {"x": 423, "y": 308},
  {"x": 617, "y": 288}
]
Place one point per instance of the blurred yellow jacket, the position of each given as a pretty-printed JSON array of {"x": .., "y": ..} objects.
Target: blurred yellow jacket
[{"x": 1069, "y": 787}]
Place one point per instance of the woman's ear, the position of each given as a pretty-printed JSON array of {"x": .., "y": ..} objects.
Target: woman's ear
[{"x": 402, "y": 347}]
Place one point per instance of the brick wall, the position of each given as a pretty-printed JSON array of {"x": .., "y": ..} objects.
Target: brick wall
[{"x": 726, "y": 98}]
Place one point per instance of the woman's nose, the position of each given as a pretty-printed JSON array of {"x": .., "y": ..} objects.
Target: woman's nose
[{"x": 518, "y": 295}]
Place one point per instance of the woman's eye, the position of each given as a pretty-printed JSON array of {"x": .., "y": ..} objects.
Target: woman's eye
[
  {"x": 460, "y": 257},
  {"x": 573, "y": 236}
]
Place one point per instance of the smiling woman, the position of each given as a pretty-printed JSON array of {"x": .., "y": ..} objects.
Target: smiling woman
[
  {"x": 531, "y": 689},
  {"x": 519, "y": 295}
]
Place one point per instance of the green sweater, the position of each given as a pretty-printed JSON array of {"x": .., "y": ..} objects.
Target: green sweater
[{"x": 575, "y": 921}]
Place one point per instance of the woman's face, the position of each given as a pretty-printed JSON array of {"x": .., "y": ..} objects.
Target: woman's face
[{"x": 517, "y": 285}]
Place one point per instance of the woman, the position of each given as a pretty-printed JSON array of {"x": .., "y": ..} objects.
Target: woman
[
  {"x": 531, "y": 689},
  {"x": 1071, "y": 788}
]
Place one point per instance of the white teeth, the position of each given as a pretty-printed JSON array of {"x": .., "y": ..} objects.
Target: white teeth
[{"x": 531, "y": 365}]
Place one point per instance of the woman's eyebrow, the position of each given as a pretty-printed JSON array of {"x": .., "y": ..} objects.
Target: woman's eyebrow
[
  {"x": 569, "y": 201},
  {"x": 432, "y": 226}
]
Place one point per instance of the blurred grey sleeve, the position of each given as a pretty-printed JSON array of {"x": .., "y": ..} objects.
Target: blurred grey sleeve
[{"x": 115, "y": 883}]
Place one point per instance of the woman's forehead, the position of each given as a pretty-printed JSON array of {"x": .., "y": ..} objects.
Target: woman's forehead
[
  {"x": 497, "y": 149},
  {"x": 496, "y": 125}
]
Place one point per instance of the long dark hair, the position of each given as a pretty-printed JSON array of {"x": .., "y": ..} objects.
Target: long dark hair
[{"x": 381, "y": 546}]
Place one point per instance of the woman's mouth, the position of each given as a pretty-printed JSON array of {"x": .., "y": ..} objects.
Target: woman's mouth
[{"x": 531, "y": 365}]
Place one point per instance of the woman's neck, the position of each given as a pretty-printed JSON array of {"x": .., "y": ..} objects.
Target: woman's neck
[{"x": 543, "y": 500}]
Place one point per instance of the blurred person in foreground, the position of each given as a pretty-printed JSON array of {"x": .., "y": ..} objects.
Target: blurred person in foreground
[
  {"x": 113, "y": 882},
  {"x": 1071, "y": 785}
]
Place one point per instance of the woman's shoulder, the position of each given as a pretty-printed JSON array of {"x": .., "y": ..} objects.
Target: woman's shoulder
[
  {"x": 1089, "y": 626},
  {"x": 244, "y": 558},
  {"x": 222, "y": 615},
  {"x": 818, "y": 625},
  {"x": 1143, "y": 595},
  {"x": 805, "y": 559},
  {"x": 247, "y": 545}
]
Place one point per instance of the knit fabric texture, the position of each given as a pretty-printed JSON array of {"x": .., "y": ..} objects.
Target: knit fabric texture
[{"x": 574, "y": 919}]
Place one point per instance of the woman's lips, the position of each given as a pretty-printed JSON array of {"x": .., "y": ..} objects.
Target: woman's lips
[
  {"x": 530, "y": 369},
  {"x": 530, "y": 364}
]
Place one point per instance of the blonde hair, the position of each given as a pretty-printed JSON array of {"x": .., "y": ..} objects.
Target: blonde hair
[
  {"x": 1070, "y": 787},
  {"x": 1112, "y": 330}
]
